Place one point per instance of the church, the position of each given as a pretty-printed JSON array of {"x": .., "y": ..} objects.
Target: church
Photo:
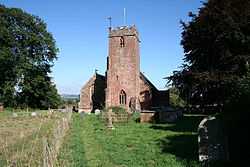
[{"x": 123, "y": 84}]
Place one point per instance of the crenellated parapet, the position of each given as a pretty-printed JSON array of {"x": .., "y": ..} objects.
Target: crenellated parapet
[{"x": 124, "y": 31}]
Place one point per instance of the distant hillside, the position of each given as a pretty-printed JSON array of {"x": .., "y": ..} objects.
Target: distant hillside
[{"x": 70, "y": 97}]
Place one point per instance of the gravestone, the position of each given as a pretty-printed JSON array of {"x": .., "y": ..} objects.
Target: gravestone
[
  {"x": 97, "y": 112},
  {"x": 14, "y": 115},
  {"x": 212, "y": 140},
  {"x": 33, "y": 114},
  {"x": 169, "y": 115}
]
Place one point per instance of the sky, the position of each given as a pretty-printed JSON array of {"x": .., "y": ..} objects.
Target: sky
[{"x": 80, "y": 28}]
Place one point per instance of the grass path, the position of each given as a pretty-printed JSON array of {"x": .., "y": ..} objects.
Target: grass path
[
  {"x": 72, "y": 152},
  {"x": 90, "y": 143},
  {"x": 81, "y": 136}
]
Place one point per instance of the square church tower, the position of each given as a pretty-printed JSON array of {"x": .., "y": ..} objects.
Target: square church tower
[
  {"x": 123, "y": 68},
  {"x": 124, "y": 85}
]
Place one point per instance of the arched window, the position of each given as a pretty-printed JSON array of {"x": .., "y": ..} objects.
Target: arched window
[
  {"x": 123, "y": 97},
  {"x": 122, "y": 42}
]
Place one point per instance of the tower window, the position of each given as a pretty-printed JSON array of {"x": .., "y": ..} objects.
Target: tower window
[
  {"x": 122, "y": 97},
  {"x": 122, "y": 42}
]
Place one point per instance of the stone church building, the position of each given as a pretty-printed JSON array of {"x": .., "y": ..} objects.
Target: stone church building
[{"x": 123, "y": 84}]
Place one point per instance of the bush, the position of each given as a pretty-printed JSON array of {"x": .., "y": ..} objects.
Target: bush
[{"x": 236, "y": 115}]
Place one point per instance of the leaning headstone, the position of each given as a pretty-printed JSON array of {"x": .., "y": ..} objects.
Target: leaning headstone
[
  {"x": 212, "y": 140},
  {"x": 97, "y": 112}
]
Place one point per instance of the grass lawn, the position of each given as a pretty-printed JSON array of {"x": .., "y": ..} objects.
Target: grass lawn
[{"x": 89, "y": 143}]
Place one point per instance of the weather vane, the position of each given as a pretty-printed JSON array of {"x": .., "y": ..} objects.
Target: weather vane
[{"x": 110, "y": 23}]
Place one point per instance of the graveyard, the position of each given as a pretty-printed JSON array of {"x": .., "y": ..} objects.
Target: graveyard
[
  {"x": 88, "y": 83},
  {"x": 25, "y": 137},
  {"x": 88, "y": 141}
]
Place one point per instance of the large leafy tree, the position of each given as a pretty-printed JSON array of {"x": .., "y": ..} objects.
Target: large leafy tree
[
  {"x": 27, "y": 53},
  {"x": 216, "y": 43}
]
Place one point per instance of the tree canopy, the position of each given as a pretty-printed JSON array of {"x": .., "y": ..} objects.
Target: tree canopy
[
  {"x": 27, "y": 53},
  {"x": 216, "y": 44}
]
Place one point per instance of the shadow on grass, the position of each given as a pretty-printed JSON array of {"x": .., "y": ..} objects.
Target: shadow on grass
[
  {"x": 185, "y": 124},
  {"x": 183, "y": 144}
]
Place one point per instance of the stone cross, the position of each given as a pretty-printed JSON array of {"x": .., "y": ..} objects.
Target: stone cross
[{"x": 110, "y": 124}]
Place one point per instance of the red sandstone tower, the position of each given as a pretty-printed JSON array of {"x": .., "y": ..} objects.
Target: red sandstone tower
[{"x": 123, "y": 68}]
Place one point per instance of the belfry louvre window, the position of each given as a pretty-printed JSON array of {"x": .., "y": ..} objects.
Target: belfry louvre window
[
  {"x": 123, "y": 97},
  {"x": 122, "y": 42}
]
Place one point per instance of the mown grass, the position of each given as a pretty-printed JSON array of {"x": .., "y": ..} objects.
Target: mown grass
[
  {"x": 91, "y": 144},
  {"x": 72, "y": 150}
]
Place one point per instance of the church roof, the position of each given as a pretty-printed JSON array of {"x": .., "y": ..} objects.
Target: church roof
[
  {"x": 93, "y": 78},
  {"x": 144, "y": 78}
]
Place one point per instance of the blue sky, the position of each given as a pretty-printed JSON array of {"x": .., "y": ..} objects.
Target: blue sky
[{"x": 80, "y": 30}]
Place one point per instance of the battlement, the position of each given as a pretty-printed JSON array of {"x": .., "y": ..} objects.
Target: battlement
[{"x": 124, "y": 31}]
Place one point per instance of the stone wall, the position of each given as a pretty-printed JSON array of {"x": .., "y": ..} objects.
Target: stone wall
[
  {"x": 160, "y": 98},
  {"x": 98, "y": 97},
  {"x": 93, "y": 94},
  {"x": 145, "y": 95},
  {"x": 150, "y": 96},
  {"x": 147, "y": 116}
]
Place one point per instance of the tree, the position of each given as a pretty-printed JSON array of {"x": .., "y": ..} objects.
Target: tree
[
  {"x": 216, "y": 43},
  {"x": 27, "y": 53},
  {"x": 175, "y": 99}
]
